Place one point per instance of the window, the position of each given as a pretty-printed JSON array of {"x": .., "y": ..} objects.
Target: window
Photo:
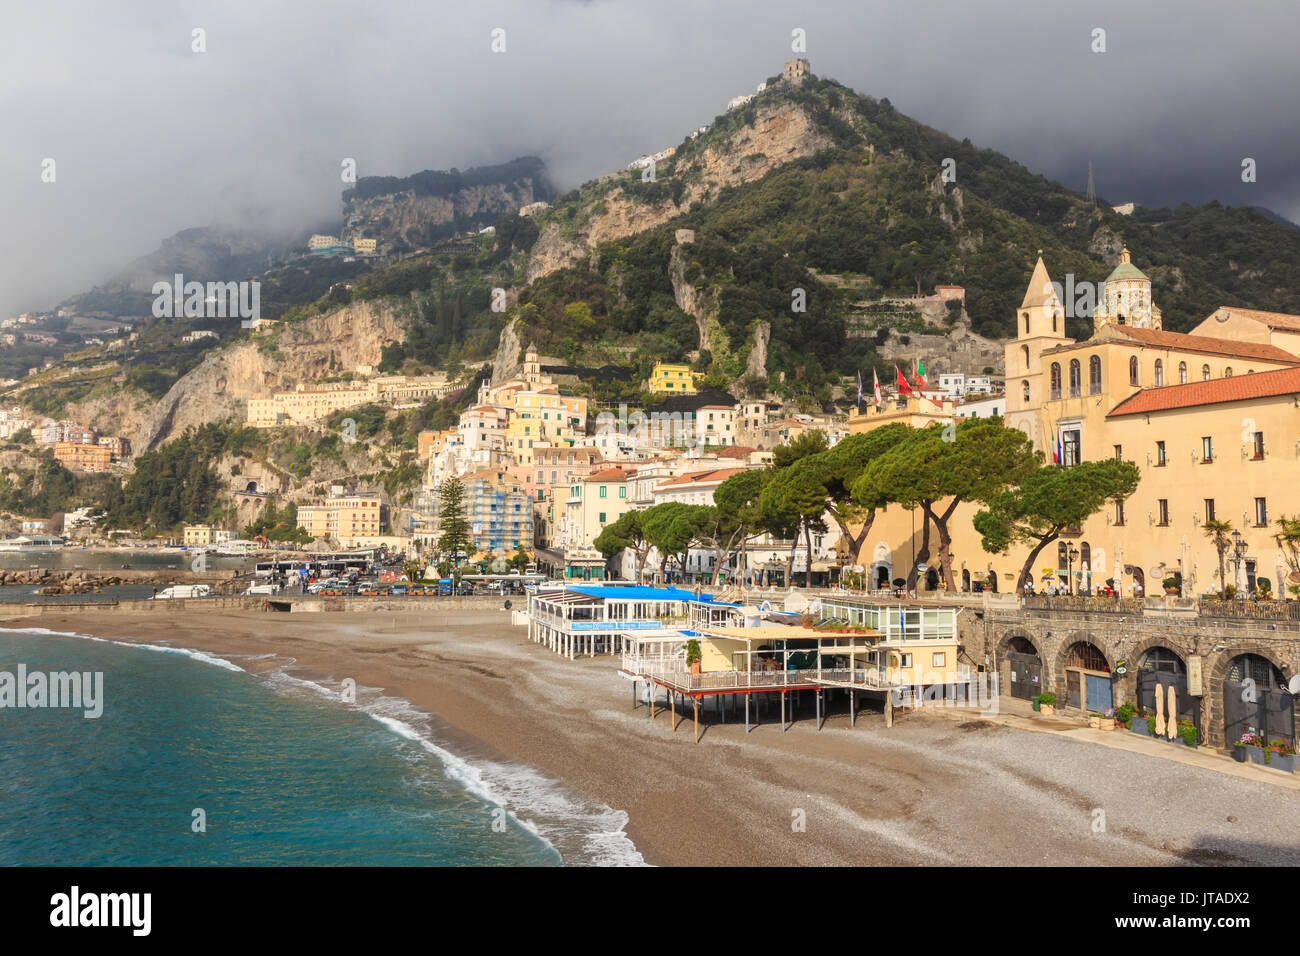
[
  {"x": 622, "y": 491},
  {"x": 1062, "y": 557},
  {"x": 1160, "y": 373},
  {"x": 1070, "y": 446},
  {"x": 1182, "y": 373},
  {"x": 1119, "y": 513},
  {"x": 1261, "y": 513},
  {"x": 1205, "y": 373},
  {"x": 1094, "y": 375},
  {"x": 1207, "y": 449},
  {"x": 938, "y": 658},
  {"x": 904, "y": 660},
  {"x": 1076, "y": 378},
  {"x": 1160, "y": 454},
  {"x": 1259, "y": 446},
  {"x": 1026, "y": 323},
  {"x": 603, "y": 491},
  {"x": 1024, "y": 390},
  {"x": 1209, "y": 509},
  {"x": 1056, "y": 380},
  {"x": 1162, "y": 512},
  {"x": 1133, "y": 371},
  {"x": 1119, "y": 452},
  {"x": 602, "y": 517},
  {"x": 1227, "y": 372},
  {"x": 1024, "y": 357}
]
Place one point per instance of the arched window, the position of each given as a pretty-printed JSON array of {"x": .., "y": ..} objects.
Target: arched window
[
  {"x": 1133, "y": 371},
  {"x": 1053, "y": 321},
  {"x": 1024, "y": 389},
  {"x": 1094, "y": 375},
  {"x": 1076, "y": 378},
  {"x": 1085, "y": 556},
  {"x": 1205, "y": 373},
  {"x": 1259, "y": 669},
  {"x": 1026, "y": 323},
  {"x": 1160, "y": 373},
  {"x": 1024, "y": 357},
  {"x": 1182, "y": 373},
  {"x": 1227, "y": 372},
  {"x": 1056, "y": 380},
  {"x": 1250, "y": 371},
  {"x": 1062, "y": 556}
]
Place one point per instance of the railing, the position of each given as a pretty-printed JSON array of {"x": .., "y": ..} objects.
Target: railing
[
  {"x": 1079, "y": 602},
  {"x": 1252, "y": 610}
]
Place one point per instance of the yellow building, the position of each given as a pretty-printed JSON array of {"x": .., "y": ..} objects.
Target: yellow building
[
  {"x": 307, "y": 404},
  {"x": 80, "y": 457},
  {"x": 198, "y": 535},
  {"x": 365, "y": 247},
  {"x": 672, "y": 379},
  {"x": 343, "y": 519},
  {"x": 1210, "y": 420}
]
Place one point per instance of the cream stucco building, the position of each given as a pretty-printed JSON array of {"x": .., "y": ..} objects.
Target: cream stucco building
[{"x": 1211, "y": 418}]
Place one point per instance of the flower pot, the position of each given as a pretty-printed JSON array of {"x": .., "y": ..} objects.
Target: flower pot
[
  {"x": 1287, "y": 763},
  {"x": 1256, "y": 754},
  {"x": 1139, "y": 727},
  {"x": 695, "y": 667},
  {"x": 1047, "y": 709},
  {"x": 1094, "y": 723},
  {"x": 1239, "y": 753},
  {"x": 1037, "y": 706},
  {"x": 1106, "y": 723}
]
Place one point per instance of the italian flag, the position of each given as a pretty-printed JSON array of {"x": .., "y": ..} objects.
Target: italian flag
[{"x": 920, "y": 375}]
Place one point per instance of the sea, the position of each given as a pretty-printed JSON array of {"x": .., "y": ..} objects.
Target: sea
[{"x": 198, "y": 760}]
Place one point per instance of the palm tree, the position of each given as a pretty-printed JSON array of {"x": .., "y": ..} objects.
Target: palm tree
[{"x": 1217, "y": 532}]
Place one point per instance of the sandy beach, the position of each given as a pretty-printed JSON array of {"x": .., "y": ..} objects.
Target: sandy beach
[{"x": 932, "y": 789}]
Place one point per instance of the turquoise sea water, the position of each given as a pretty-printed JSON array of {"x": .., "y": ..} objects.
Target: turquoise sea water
[{"x": 284, "y": 772}]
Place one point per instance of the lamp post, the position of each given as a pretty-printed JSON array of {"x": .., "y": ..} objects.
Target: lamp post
[
  {"x": 1070, "y": 554},
  {"x": 1238, "y": 555}
]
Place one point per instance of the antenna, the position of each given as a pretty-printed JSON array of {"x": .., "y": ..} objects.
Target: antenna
[{"x": 1092, "y": 187}]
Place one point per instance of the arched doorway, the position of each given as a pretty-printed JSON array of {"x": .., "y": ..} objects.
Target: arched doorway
[
  {"x": 965, "y": 579},
  {"x": 1088, "y": 681},
  {"x": 1025, "y": 668},
  {"x": 931, "y": 580},
  {"x": 1158, "y": 670},
  {"x": 1255, "y": 700}
]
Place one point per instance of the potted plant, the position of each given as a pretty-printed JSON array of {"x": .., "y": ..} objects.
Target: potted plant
[
  {"x": 1124, "y": 715},
  {"x": 1141, "y": 724},
  {"x": 1281, "y": 755},
  {"x": 1188, "y": 733},
  {"x": 1036, "y": 701},
  {"x": 693, "y": 655},
  {"x": 1173, "y": 584},
  {"x": 1047, "y": 703}
]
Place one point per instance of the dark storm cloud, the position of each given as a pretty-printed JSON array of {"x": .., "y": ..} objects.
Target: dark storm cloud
[{"x": 150, "y": 138}]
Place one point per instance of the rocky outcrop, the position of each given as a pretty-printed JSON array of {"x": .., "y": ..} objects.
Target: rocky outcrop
[
  {"x": 781, "y": 132},
  {"x": 389, "y": 217},
  {"x": 757, "y": 365},
  {"x": 220, "y": 387},
  {"x": 507, "y": 358},
  {"x": 702, "y": 307}
]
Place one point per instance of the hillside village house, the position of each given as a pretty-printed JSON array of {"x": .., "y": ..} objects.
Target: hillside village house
[
  {"x": 307, "y": 404},
  {"x": 79, "y": 457},
  {"x": 671, "y": 379},
  {"x": 499, "y": 511},
  {"x": 594, "y": 501},
  {"x": 1212, "y": 419}
]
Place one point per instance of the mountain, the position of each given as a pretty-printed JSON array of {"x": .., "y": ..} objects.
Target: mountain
[
  {"x": 436, "y": 204},
  {"x": 773, "y": 250}
]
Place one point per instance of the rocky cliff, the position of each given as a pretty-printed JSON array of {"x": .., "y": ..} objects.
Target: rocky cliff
[{"x": 219, "y": 387}]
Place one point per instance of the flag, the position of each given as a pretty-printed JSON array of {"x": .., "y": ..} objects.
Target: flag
[
  {"x": 859, "y": 387},
  {"x": 903, "y": 387},
  {"x": 920, "y": 375},
  {"x": 875, "y": 386}
]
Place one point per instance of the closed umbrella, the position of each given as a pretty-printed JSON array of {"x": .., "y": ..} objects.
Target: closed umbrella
[
  {"x": 1160, "y": 712},
  {"x": 1173, "y": 712}
]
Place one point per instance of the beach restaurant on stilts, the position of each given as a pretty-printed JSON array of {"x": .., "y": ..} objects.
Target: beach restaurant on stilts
[{"x": 586, "y": 620}]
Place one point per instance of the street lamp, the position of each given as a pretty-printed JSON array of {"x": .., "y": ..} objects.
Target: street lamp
[
  {"x": 1071, "y": 553},
  {"x": 1238, "y": 555}
]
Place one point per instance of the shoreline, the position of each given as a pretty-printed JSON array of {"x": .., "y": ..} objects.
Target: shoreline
[{"x": 929, "y": 790}]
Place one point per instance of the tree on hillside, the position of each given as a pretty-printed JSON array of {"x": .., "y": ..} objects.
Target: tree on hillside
[
  {"x": 1049, "y": 500},
  {"x": 939, "y": 467},
  {"x": 627, "y": 532},
  {"x": 454, "y": 539},
  {"x": 1218, "y": 532}
]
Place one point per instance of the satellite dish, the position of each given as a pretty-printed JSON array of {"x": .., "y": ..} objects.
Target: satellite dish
[
  {"x": 922, "y": 568},
  {"x": 1294, "y": 685}
]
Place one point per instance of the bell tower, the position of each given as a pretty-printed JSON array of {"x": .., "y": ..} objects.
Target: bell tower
[
  {"x": 1126, "y": 298},
  {"x": 1040, "y": 325}
]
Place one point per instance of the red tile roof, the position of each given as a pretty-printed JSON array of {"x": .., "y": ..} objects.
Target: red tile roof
[
  {"x": 702, "y": 477},
  {"x": 1284, "y": 381},
  {"x": 607, "y": 474},
  {"x": 1274, "y": 320},
  {"x": 736, "y": 451},
  {"x": 1204, "y": 343}
]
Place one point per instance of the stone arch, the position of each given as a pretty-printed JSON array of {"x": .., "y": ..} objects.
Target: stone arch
[{"x": 1085, "y": 652}]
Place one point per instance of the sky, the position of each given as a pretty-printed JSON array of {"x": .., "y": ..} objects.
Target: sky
[{"x": 149, "y": 136}]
